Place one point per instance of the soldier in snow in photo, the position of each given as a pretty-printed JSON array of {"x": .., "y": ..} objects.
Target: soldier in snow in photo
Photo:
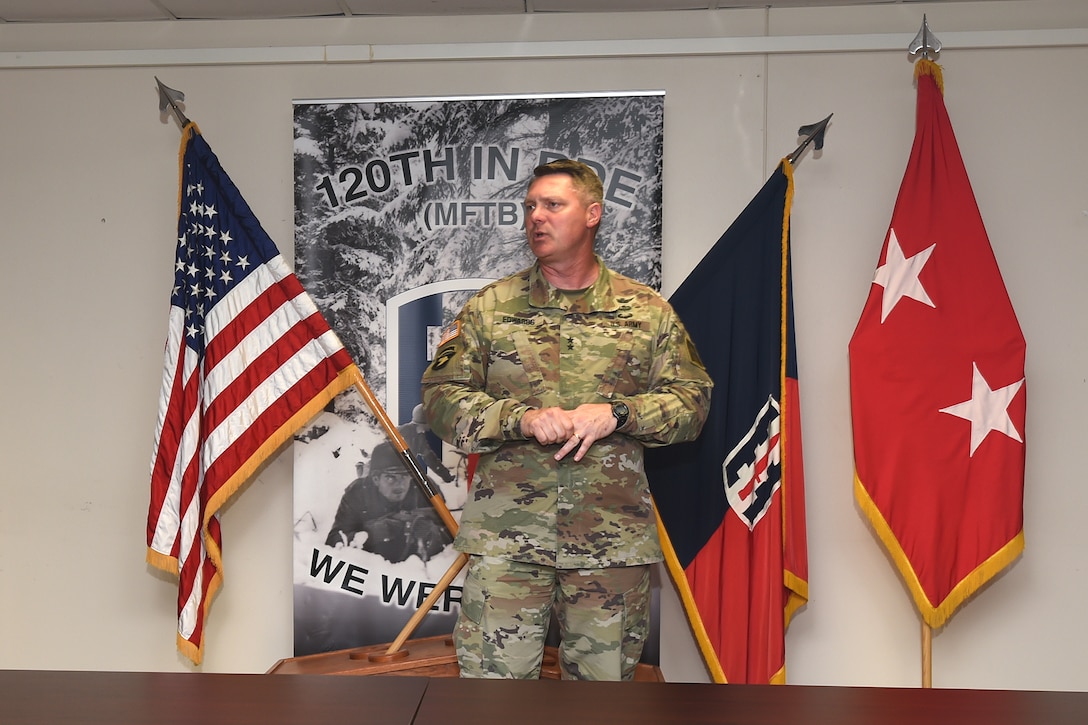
[
  {"x": 385, "y": 512},
  {"x": 558, "y": 376}
]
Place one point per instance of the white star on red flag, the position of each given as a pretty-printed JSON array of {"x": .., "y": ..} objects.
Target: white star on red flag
[
  {"x": 987, "y": 409},
  {"x": 899, "y": 276}
]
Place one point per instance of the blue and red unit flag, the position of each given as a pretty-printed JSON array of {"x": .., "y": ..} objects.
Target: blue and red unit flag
[{"x": 731, "y": 504}]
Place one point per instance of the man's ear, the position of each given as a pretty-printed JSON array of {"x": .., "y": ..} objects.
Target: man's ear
[{"x": 593, "y": 214}]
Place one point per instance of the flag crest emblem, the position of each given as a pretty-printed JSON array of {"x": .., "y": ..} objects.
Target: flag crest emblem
[{"x": 751, "y": 470}]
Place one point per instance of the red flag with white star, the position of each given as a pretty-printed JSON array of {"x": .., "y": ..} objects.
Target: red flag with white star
[{"x": 937, "y": 382}]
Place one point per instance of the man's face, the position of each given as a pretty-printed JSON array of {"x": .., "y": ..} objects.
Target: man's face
[
  {"x": 558, "y": 223},
  {"x": 393, "y": 485}
]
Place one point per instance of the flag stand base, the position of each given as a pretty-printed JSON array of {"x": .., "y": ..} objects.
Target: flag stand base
[{"x": 423, "y": 657}]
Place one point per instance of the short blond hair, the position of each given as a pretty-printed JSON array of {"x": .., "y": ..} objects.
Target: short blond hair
[{"x": 585, "y": 180}]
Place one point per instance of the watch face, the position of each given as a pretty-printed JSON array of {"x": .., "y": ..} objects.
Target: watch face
[{"x": 620, "y": 411}]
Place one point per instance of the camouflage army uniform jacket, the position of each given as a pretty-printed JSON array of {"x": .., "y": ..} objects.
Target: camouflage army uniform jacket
[{"x": 519, "y": 344}]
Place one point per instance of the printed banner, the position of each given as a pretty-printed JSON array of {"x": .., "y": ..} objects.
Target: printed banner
[{"x": 403, "y": 209}]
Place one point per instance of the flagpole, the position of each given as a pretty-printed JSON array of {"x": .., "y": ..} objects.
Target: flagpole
[
  {"x": 168, "y": 97},
  {"x": 814, "y": 134},
  {"x": 409, "y": 460},
  {"x": 394, "y": 651},
  {"x": 926, "y": 45},
  {"x": 927, "y": 655}
]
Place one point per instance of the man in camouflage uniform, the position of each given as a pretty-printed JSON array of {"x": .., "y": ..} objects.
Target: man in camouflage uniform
[{"x": 558, "y": 376}]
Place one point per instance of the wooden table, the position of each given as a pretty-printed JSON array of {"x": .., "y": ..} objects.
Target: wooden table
[
  {"x": 481, "y": 702},
  {"x": 150, "y": 698},
  {"x": 134, "y": 698}
]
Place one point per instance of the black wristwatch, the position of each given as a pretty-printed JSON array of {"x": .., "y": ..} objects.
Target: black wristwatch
[{"x": 621, "y": 413}]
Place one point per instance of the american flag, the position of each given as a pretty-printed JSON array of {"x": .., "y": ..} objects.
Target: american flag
[{"x": 249, "y": 359}]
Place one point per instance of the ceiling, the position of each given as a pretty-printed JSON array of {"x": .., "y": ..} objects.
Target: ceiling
[{"x": 71, "y": 11}]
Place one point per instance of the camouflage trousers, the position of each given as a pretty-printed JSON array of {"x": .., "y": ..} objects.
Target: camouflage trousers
[{"x": 506, "y": 608}]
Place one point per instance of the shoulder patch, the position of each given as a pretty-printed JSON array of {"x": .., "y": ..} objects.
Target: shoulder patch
[
  {"x": 443, "y": 356},
  {"x": 693, "y": 353},
  {"x": 452, "y": 331}
]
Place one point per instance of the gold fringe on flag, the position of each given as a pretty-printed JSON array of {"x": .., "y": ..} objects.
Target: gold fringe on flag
[
  {"x": 935, "y": 614},
  {"x": 695, "y": 620},
  {"x": 926, "y": 67}
]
